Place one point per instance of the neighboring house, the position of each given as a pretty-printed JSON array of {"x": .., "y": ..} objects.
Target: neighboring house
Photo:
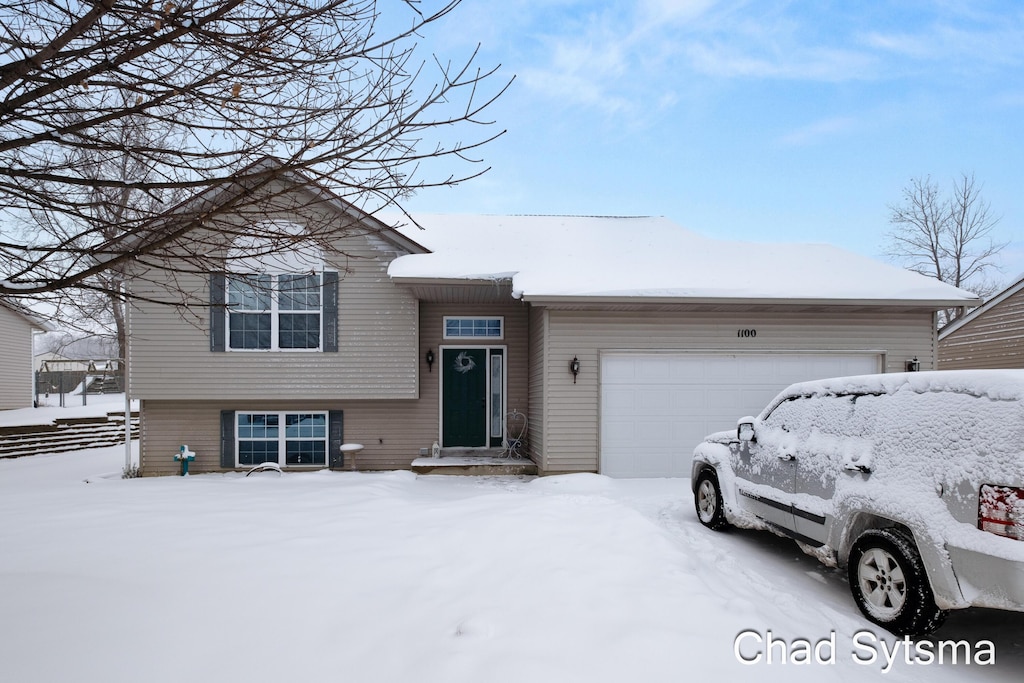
[
  {"x": 17, "y": 327},
  {"x": 989, "y": 336},
  {"x": 622, "y": 340}
]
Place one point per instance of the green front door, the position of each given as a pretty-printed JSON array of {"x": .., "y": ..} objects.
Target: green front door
[{"x": 464, "y": 397}]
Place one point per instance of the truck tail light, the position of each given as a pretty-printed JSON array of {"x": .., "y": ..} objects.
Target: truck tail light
[{"x": 1001, "y": 511}]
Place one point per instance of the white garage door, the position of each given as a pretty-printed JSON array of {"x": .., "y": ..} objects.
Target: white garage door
[{"x": 655, "y": 408}]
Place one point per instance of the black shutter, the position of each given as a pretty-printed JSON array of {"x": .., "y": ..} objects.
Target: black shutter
[
  {"x": 218, "y": 300},
  {"x": 227, "y": 439},
  {"x": 330, "y": 344},
  {"x": 335, "y": 437}
]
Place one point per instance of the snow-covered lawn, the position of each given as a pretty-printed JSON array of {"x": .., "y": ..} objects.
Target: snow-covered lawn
[{"x": 391, "y": 577}]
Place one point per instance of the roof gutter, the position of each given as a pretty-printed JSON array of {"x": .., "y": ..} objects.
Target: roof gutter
[
  {"x": 598, "y": 299},
  {"x": 449, "y": 281},
  {"x": 932, "y": 304}
]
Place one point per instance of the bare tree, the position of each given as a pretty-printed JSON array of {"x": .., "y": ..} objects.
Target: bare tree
[
  {"x": 96, "y": 309},
  {"x": 946, "y": 237},
  {"x": 321, "y": 86}
]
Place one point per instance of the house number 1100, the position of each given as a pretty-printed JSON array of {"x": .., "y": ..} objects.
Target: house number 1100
[{"x": 746, "y": 333}]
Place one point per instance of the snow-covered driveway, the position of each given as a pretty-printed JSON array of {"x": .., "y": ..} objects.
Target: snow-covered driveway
[{"x": 392, "y": 577}]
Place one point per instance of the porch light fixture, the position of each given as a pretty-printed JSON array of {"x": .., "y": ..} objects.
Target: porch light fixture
[
  {"x": 430, "y": 360},
  {"x": 913, "y": 365},
  {"x": 574, "y": 368}
]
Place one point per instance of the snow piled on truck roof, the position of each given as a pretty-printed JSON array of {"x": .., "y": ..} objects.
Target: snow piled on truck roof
[{"x": 994, "y": 384}]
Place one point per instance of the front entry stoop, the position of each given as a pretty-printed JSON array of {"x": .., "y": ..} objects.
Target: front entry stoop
[{"x": 475, "y": 462}]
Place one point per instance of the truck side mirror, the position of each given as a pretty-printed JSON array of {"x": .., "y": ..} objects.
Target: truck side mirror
[{"x": 745, "y": 431}]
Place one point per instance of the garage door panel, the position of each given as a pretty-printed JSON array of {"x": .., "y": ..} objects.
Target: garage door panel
[
  {"x": 618, "y": 398},
  {"x": 656, "y": 401},
  {"x": 819, "y": 366},
  {"x": 654, "y": 369},
  {"x": 687, "y": 370},
  {"x": 722, "y": 369},
  {"x": 682, "y": 436},
  {"x": 653, "y": 434},
  {"x": 686, "y": 425},
  {"x": 618, "y": 369},
  {"x": 757, "y": 369},
  {"x": 861, "y": 366},
  {"x": 656, "y": 408},
  {"x": 717, "y": 399},
  {"x": 687, "y": 399},
  {"x": 787, "y": 365},
  {"x": 619, "y": 432}
]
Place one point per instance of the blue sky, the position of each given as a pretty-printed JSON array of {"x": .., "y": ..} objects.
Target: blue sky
[{"x": 754, "y": 121}]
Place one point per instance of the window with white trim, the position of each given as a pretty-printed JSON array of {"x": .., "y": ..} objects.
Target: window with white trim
[
  {"x": 288, "y": 439},
  {"x": 474, "y": 328},
  {"x": 274, "y": 312}
]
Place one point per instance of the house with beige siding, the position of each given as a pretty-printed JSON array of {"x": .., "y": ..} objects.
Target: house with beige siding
[
  {"x": 587, "y": 344},
  {"x": 18, "y": 326},
  {"x": 990, "y": 336}
]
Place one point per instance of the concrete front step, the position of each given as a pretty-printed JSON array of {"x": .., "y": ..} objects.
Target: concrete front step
[
  {"x": 460, "y": 452},
  {"x": 480, "y": 465}
]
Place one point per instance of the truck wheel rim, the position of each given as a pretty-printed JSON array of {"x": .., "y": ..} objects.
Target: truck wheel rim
[{"x": 882, "y": 582}]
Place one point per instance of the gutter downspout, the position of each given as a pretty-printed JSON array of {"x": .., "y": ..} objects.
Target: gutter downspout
[{"x": 127, "y": 394}]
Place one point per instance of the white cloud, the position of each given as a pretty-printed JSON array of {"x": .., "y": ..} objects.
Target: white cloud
[
  {"x": 805, "y": 64},
  {"x": 825, "y": 128},
  {"x": 915, "y": 46},
  {"x": 616, "y": 59},
  {"x": 630, "y": 59},
  {"x": 956, "y": 35},
  {"x": 584, "y": 71},
  {"x": 664, "y": 11}
]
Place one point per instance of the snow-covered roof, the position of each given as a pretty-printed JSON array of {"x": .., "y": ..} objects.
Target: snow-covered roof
[{"x": 568, "y": 257}]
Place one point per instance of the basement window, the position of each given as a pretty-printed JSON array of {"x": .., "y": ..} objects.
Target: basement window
[{"x": 288, "y": 439}]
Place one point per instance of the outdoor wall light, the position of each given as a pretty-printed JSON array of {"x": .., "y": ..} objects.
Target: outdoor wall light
[
  {"x": 430, "y": 360},
  {"x": 574, "y": 368},
  {"x": 913, "y": 365}
]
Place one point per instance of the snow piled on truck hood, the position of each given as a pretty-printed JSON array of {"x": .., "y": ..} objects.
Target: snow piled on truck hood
[{"x": 647, "y": 257}]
